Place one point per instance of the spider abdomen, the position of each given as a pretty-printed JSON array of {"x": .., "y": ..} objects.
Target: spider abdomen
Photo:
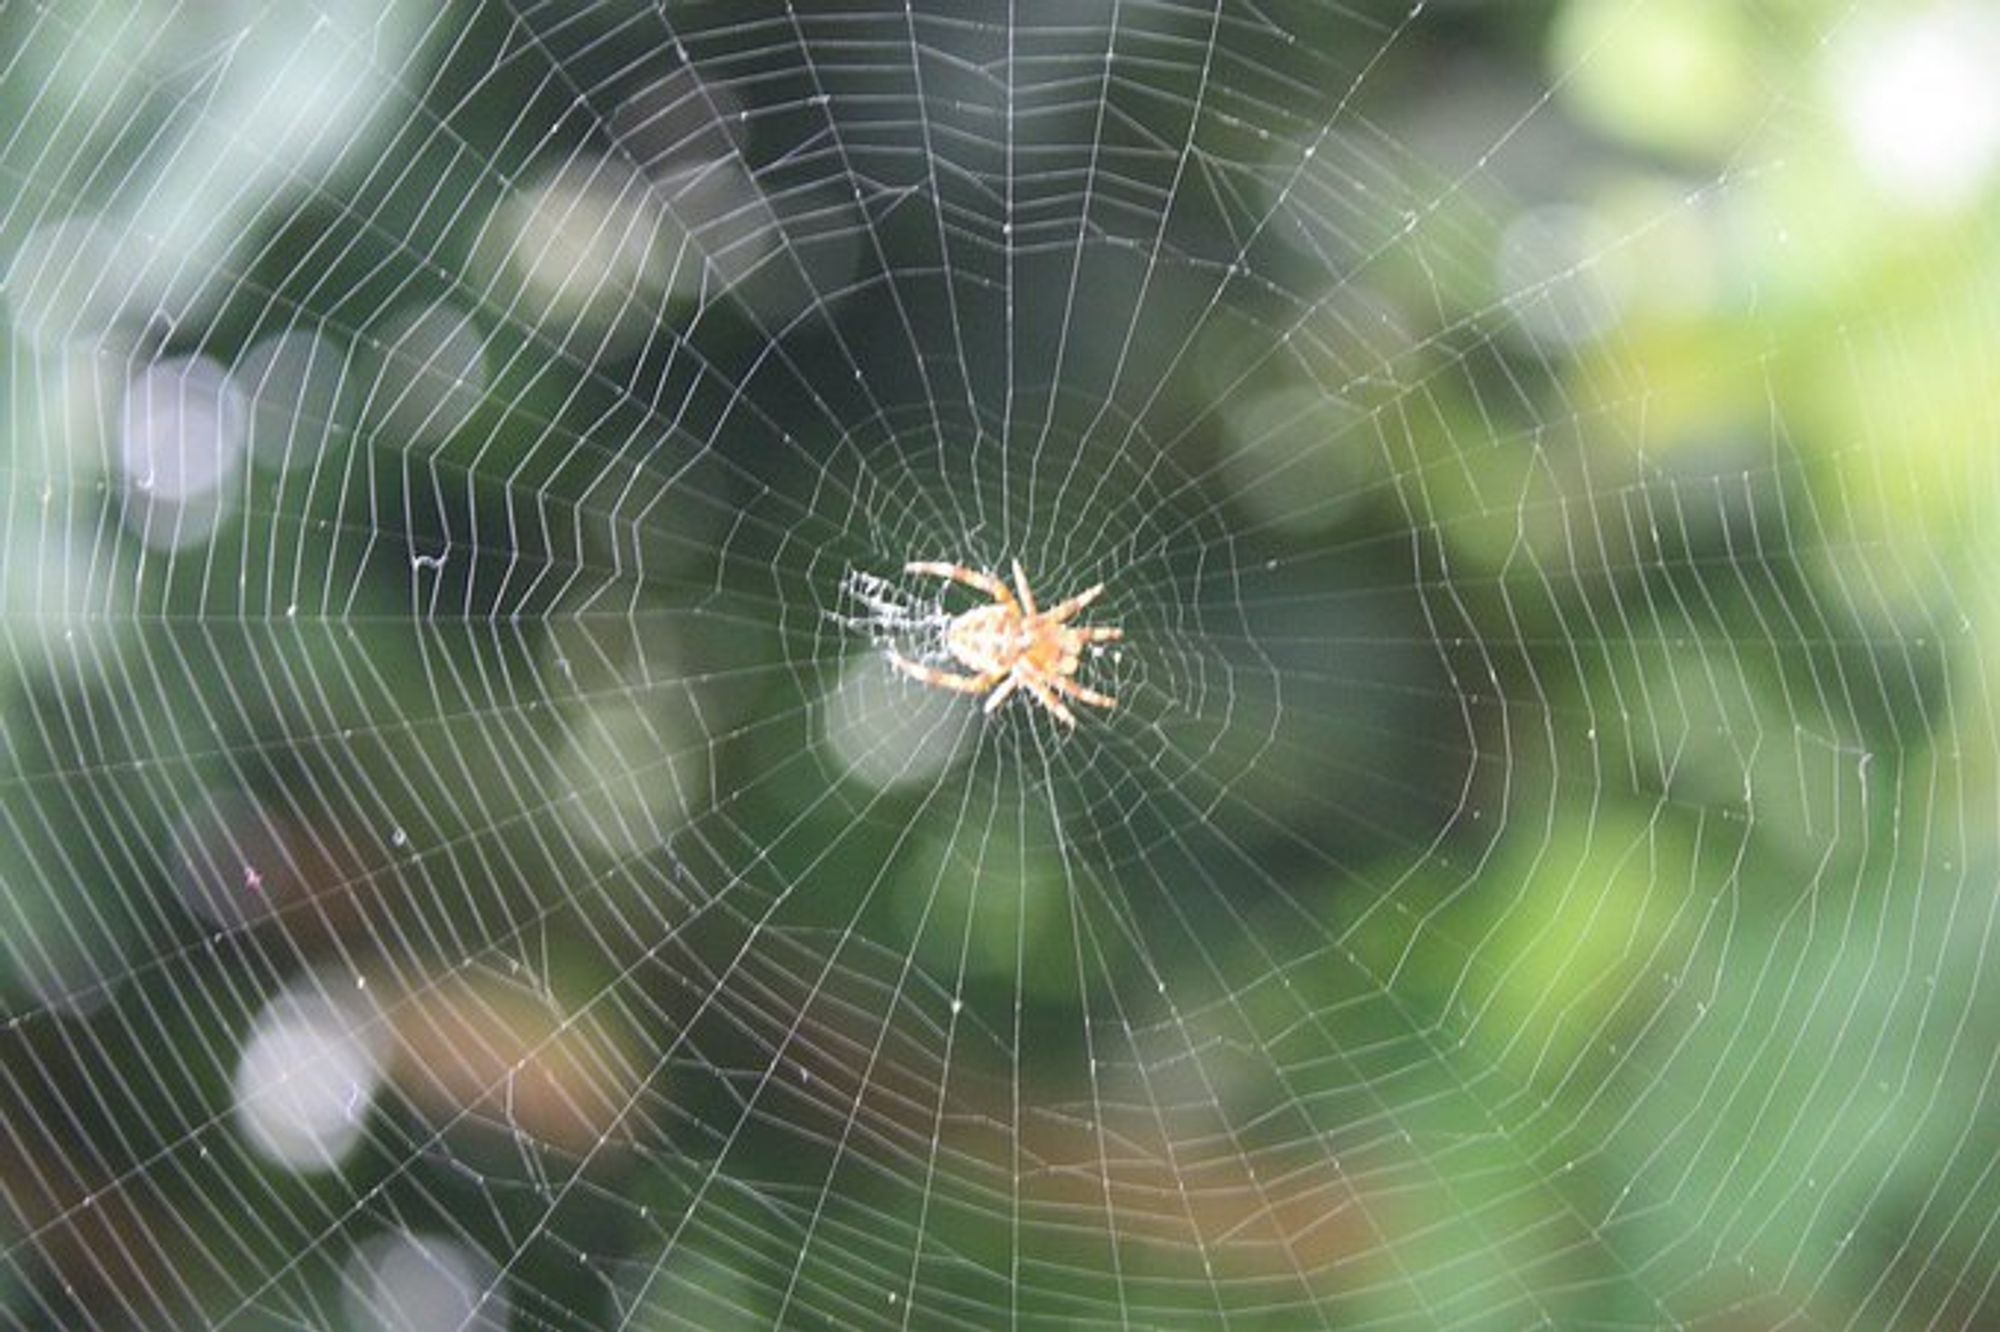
[
  {"x": 1011, "y": 644},
  {"x": 988, "y": 639}
]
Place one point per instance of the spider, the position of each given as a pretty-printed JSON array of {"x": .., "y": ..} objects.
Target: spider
[{"x": 1009, "y": 645}]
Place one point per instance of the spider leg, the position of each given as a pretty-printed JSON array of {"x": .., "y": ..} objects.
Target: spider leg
[
  {"x": 1076, "y": 603},
  {"x": 1063, "y": 684},
  {"x": 1000, "y": 694},
  {"x": 985, "y": 582},
  {"x": 1046, "y": 697},
  {"x": 964, "y": 684},
  {"x": 1100, "y": 633},
  {"x": 1021, "y": 581}
]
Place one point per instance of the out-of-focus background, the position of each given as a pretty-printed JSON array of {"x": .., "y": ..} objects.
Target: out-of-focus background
[{"x": 466, "y": 859}]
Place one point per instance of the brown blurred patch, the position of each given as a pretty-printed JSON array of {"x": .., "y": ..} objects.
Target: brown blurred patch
[
  {"x": 1184, "y": 1183},
  {"x": 112, "y": 1254},
  {"x": 483, "y": 1048},
  {"x": 248, "y": 865},
  {"x": 1152, "y": 1161}
]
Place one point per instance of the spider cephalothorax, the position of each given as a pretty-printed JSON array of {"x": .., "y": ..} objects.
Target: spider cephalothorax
[{"x": 1009, "y": 645}]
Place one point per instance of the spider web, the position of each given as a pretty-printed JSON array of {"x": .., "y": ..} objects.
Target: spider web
[{"x": 468, "y": 861}]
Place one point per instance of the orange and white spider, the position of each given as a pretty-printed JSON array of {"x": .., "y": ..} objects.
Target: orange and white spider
[{"x": 1009, "y": 645}]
